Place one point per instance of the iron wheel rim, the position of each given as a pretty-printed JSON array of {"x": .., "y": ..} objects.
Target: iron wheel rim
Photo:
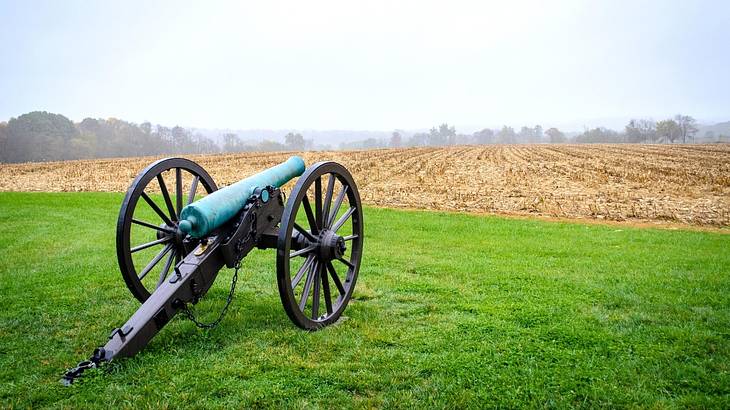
[
  {"x": 324, "y": 276},
  {"x": 126, "y": 218}
]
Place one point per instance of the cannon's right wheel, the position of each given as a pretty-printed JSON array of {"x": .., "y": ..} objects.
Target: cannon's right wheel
[{"x": 319, "y": 248}]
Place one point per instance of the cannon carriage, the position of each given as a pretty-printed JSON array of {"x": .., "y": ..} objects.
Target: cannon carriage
[{"x": 176, "y": 230}]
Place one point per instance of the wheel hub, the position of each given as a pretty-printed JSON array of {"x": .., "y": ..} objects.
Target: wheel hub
[
  {"x": 177, "y": 237},
  {"x": 331, "y": 246}
]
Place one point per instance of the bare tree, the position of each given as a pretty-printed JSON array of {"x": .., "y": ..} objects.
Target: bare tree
[
  {"x": 641, "y": 130},
  {"x": 687, "y": 126},
  {"x": 231, "y": 142},
  {"x": 294, "y": 141}
]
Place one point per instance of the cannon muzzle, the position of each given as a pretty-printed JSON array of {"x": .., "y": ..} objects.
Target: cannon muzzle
[{"x": 210, "y": 212}]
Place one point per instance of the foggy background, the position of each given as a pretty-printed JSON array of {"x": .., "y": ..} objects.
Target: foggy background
[{"x": 137, "y": 77}]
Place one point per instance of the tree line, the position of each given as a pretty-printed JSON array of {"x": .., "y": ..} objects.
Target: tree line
[
  {"x": 679, "y": 129},
  {"x": 41, "y": 136}
]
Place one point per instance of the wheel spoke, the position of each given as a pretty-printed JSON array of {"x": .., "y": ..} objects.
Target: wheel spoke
[
  {"x": 307, "y": 286},
  {"x": 149, "y": 225},
  {"x": 328, "y": 199},
  {"x": 346, "y": 262},
  {"x": 349, "y": 237},
  {"x": 336, "y": 226},
  {"x": 301, "y": 271},
  {"x": 326, "y": 289},
  {"x": 318, "y": 201},
  {"x": 154, "y": 261},
  {"x": 315, "y": 296},
  {"x": 178, "y": 189},
  {"x": 303, "y": 251},
  {"x": 338, "y": 203},
  {"x": 336, "y": 278},
  {"x": 149, "y": 244},
  {"x": 166, "y": 269},
  {"x": 166, "y": 195},
  {"x": 310, "y": 215},
  {"x": 156, "y": 208},
  {"x": 193, "y": 189},
  {"x": 304, "y": 232}
]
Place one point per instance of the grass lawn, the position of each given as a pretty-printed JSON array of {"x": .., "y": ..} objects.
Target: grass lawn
[{"x": 449, "y": 311}]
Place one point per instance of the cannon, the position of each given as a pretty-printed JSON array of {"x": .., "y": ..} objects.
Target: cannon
[{"x": 172, "y": 242}]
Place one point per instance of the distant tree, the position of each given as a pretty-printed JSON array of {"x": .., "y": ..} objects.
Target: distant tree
[
  {"x": 439, "y": 136},
  {"x": 100, "y": 134},
  {"x": 231, "y": 143},
  {"x": 527, "y": 134},
  {"x": 294, "y": 142},
  {"x": 555, "y": 136},
  {"x": 434, "y": 138},
  {"x": 205, "y": 145},
  {"x": 447, "y": 133},
  {"x": 39, "y": 136},
  {"x": 165, "y": 136},
  {"x": 507, "y": 135},
  {"x": 89, "y": 125},
  {"x": 668, "y": 129},
  {"x": 641, "y": 130},
  {"x": 485, "y": 136},
  {"x": 83, "y": 145},
  {"x": 146, "y": 128},
  {"x": 42, "y": 136},
  {"x": 150, "y": 144},
  {"x": 538, "y": 133},
  {"x": 530, "y": 134},
  {"x": 598, "y": 135},
  {"x": 687, "y": 126},
  {"x": 3, "y": 141},
  {"x": 396, "y": 140},
  {"x": 181, "y": 139},
  {"x": 419, "y": 139}
]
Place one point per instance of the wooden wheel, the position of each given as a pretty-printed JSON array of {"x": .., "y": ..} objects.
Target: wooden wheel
[
  {"x": 149, "y": 233},
  {"x": 319, "y": 246}
]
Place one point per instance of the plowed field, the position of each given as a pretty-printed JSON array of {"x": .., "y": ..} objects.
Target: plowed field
[{"x": 686, "y": 184}]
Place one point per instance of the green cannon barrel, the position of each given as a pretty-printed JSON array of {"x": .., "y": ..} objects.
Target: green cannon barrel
[{"x": 210, "y": 212}]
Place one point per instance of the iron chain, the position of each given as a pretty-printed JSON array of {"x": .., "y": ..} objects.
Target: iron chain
[{"x": 190, "y": 313}]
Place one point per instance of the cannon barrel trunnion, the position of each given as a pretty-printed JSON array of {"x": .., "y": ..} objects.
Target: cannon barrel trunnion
[{"x": 317, "y": 234}]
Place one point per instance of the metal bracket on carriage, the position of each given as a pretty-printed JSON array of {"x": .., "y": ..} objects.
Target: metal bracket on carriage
[{"x": 261, "y": 214}]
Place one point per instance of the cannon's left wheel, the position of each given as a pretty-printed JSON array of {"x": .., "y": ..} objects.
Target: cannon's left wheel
[
  {"x": 149, "y": 242},
  {"x": 319, "y": 247}
]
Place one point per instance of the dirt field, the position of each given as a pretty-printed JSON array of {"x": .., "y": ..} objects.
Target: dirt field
[{"x": 686, "y": 184}]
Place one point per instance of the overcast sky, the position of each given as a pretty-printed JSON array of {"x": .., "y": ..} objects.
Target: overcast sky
[{"x": 375, "y": 65}]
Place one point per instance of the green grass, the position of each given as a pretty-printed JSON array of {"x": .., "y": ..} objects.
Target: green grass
[{"x": 450, "y": 311}]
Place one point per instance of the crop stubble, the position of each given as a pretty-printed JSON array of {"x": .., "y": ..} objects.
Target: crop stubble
[{"x": 678, "y": 183}]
